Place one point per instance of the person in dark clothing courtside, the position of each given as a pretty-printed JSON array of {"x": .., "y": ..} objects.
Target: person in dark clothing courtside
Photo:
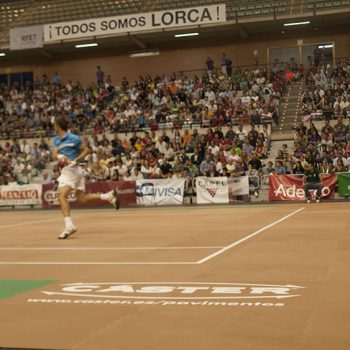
[{"x": 312, "y": 181}]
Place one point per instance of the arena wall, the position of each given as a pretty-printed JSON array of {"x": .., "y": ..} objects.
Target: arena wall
[{"x": 82, "y": 65}]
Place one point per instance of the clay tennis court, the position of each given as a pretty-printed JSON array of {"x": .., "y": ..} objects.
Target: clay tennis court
[{"x": 226, "y": 277}]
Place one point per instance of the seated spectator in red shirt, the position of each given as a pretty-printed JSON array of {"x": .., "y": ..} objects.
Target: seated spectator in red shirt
[{"x": 260, "y": 150}]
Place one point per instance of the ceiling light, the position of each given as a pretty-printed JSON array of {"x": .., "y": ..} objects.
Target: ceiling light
[
  {"x": 144, "y": 54},
  {"x": 186, "y": 34},
  {"x": 296, "y": 23},
  {"x": 325, "y": 46},
  {"x": 86, "y": 45},
  {"x": 2, "y": 54}
]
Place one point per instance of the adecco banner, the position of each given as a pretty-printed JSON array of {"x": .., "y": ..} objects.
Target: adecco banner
[
  {"x": 126, "y": 190},
  {"x": 160, "y": 192},
  {"x": 238, "y": 186},
  {"x": 20, "y": 195},
  {"x": 24, "y": 38},
  {"x": 344, "y": 184},
  {"x": 212, "y": 190},
  {"x": 194, "y": 16},
  {"x": 288, "y": 187}
]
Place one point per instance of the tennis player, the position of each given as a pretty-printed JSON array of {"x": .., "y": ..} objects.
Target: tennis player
[{"x": 69, "y": 150}]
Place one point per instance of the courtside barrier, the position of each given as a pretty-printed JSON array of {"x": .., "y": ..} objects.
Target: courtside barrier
[
  {"x": 126, "y": 190},
  {"x": 344, "y": 184},
  {"x": 15, "y": 195},
  {"x": 208, "y": 190},
  {"x": 212, "y": 190},
  {"x": 160, "y": 192},
  {"x": 290, "y": 187}
]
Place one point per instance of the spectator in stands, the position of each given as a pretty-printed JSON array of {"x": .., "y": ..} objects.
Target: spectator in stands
[
  {"x": 165, "y": 168},
  {"x": 268, "y": 168},
  {"x": 298, "y": 168},
  {"x": 100, "y": 76},
  {"x": 56, "y": 79},
  {"x": 253, "y": 175},
  {"x": 210, "y": 65},
  {"x": 247, "y": 148},
  {"x": 341, "y": 158},
  {"x": 255, "y": 162},
  {"x": 47, "y": 180},
  {"x": 206, "y": 165},
  {"x": 238, "y": 169},
  {"x": 224, "y": 64},
  {"x": 340, "y": 166},
  {"x": 326, "y": 167},
  {"x": 99, "y": 172},
  {"x": 279, "y": 168},
  {"x": 280, "y": 156}
]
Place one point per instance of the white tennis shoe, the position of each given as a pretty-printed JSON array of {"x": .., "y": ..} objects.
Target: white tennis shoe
[
  {"x": 67, "y": 232},
  {"x": 114, "y": 199}
]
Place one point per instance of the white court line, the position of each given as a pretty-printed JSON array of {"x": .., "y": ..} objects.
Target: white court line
[
  {"x": 104, "y": 248},
  {"x": 95, "y": 263},
  {"x": 234, "y": 244},
  {"x": 33, "y": 222},
  {"x": 151, "y": 263}
]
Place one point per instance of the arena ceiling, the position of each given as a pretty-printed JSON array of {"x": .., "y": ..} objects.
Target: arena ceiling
[{"x": 245, "y": 31}]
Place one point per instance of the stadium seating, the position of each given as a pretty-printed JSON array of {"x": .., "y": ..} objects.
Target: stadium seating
[{"x": 29, "y": 12}]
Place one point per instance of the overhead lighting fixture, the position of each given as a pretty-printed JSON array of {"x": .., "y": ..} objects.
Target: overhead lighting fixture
[
  {"x": 80, "y": 46},
  {"x": 2, "y": 54},
  {"x": 185, "y": 34},
  {"x": 144, "y": 54},
  {"x": 326, "y": 46},
  {"x": 296, "y": 24}
]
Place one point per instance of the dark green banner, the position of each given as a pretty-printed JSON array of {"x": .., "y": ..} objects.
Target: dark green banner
[{"x": 344, "y": 184}]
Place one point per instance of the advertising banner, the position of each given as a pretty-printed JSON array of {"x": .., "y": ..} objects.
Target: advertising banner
[
  {"x": 151, "y": 21},
  {"x": 289, "y": 187},
  {"x": 126, "y": 190},
  {"x": 24, "y": 38},
  {"x": 160, "y": 192},
  {"x": 344, "y": 184},
  {"x": 212, "y": 190},
  {"x": 20, "y": 195},
  {"x": 238, "y": 186}
]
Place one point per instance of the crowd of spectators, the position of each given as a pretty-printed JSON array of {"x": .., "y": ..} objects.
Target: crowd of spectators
[
  {"x": 176, "y": 102},
  {"x": 249, "y": 96},
  {"x": 327, "y": 148},
  {"x": 213, "y": 101},
  {"x": 21, "y": 161},
  {"x": 327, "y": 93},
  {"x": 327, "y": 98},
  {"x": 182, "y": 154},
  {"x": 187, "y": 153}
]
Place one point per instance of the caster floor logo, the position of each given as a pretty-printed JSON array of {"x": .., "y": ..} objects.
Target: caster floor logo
[{"x": 171, "y": 293}]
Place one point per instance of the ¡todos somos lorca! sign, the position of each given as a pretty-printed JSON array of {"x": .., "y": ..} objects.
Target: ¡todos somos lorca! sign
[{"x": 135, "y": 22}]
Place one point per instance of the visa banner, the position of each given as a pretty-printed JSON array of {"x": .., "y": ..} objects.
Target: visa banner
[{"x": 160, "y": 192}]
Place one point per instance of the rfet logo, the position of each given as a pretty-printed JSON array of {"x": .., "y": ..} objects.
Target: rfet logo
[{"x": 177, "y": 290}]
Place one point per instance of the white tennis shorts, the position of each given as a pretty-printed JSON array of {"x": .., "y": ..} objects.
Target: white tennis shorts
[{"x": 73, "y": 177}]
